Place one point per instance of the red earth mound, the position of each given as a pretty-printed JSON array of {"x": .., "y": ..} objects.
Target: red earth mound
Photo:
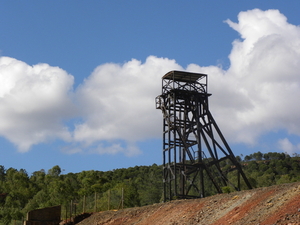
[{"x": 278, "y": 204}]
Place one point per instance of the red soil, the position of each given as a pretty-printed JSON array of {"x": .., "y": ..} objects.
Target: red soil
[{"x": 262, "y": 206}]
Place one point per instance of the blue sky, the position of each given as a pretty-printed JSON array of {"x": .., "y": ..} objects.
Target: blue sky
[{"x": 78, "y": 79}]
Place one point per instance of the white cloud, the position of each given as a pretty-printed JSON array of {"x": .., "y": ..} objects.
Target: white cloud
[
  {"x": 130, "y": 149},
  {"x": 260, "y": 90},
  {"x": 286, "y": 146},
  {"x": 33, "y": 102},
  {"x": 117, "y": 103},
  {"x": 257, "y": 94}
]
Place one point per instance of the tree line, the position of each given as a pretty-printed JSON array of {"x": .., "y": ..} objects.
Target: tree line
[{"x": 142, "y": 185}]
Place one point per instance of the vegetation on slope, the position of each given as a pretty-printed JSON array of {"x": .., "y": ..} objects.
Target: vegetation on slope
[{"x": 142, "y": 185}]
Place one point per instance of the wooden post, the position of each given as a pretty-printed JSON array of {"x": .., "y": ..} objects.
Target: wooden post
[
  {"x": 84, "y": 202},
  {"x": 95, "y": 209},
  {"x": 66, "y": 212},
  {"x": 71, "y": 210},
  {"x": 108, "y": 199},
  {"x": 122, "y": 197},
  {"x": 121, "y": 204}
]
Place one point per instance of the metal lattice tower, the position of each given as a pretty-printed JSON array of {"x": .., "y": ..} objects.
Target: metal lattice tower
[{"x": 193, "y": 145}]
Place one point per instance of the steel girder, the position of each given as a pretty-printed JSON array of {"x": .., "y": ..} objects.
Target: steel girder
[{"x": 193, "y": 145}]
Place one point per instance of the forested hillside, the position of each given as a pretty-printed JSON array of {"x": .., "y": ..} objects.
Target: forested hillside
[{"x": 141, "y": 185}]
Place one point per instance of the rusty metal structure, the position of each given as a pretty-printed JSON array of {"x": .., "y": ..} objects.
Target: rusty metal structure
[{"x": 193, "y": 145}]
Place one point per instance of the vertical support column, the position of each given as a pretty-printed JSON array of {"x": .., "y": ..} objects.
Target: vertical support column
[{"x": 193, "y": 145}]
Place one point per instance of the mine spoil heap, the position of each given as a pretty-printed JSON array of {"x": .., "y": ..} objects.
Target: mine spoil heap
[{"x": 264, "y": 206}]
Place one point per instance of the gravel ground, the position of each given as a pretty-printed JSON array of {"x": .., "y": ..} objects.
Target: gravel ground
[{"x": 278, "y": 204}]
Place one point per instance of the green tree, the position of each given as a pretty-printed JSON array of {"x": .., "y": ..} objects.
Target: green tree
[{"x": 54, "y": 171}]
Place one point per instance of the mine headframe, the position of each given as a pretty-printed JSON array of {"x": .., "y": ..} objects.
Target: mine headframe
[{"x": 193, "y": 146}]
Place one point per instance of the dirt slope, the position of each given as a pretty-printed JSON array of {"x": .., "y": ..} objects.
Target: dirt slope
[{"x": 272, "y": 205}]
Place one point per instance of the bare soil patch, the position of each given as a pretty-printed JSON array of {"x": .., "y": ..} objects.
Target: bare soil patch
[{"x": 278, "y": 204}]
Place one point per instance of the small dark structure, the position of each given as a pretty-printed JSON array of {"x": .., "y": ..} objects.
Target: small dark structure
[
  {"x": 2, "y": 197},
  {"x": 44, "y": 216},
  {"x": 193, "y": 145}
]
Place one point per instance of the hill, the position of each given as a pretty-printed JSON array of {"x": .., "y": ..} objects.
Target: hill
[
  {"x": 278, "y": 204},
  {"x": 94, "y": 190}
]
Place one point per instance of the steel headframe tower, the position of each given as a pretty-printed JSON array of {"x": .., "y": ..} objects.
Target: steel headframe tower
[{"x": 193, "y": 145}]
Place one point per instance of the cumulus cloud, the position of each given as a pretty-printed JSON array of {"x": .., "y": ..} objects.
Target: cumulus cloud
[
  {"x": 260, "y": 90},
  {"x": 117, "y": 103},
  {"x": 257, "y": 94},
  {"x": 34, "y": 100},
  {"x": 286, "y": 146}
]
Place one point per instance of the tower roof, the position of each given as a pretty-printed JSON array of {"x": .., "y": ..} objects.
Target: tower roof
[{"x": 183, "y": 76}]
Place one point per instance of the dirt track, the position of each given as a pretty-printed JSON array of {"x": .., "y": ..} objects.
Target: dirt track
[{"x": 272, "y": 205}]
